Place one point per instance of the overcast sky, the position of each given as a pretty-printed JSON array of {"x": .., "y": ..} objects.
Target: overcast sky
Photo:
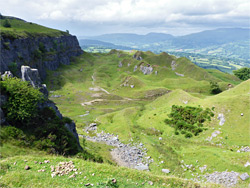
[{"x": 94, "y": 17}]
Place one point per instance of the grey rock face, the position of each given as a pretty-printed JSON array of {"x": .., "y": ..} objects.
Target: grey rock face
[
  {"x": 178, "y": 74},
  {"x": 3, "y": 100},
  {"x": 61, "y": 50},
  {"x": 120, "y": 64},
  {"x": 92, "y": 127},
  {"x": 135, "y": 68},
  {"x": 72, "y": 128},
  {"x": 244, "y": 176},
  {"x": 2, "y": 117},
  {"x": 137, "y": 57},
  {"x": 6, "y": 74},
  {"x": 52, "y": 105},
  {"x": 173, "y": 65},
  {"x": 222, "y": 119},
  {"x": 146, "y": 69},
  {"x": 32, "y": 76}
]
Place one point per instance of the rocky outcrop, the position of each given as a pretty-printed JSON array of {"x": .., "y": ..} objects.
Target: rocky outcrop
[
  {"x": 32, "y": 76},
  {"x": 72, "y": 128},
  {"x": 146, "y": 69},
  {"x": 7, "y": 74},
  {"x": 38, "y": 52}
]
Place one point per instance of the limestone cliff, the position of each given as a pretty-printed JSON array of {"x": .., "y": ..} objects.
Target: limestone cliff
[{"x": 43, "y": 53}]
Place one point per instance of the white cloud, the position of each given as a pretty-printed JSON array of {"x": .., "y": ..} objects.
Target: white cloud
[{"x": 134, "y": 13}]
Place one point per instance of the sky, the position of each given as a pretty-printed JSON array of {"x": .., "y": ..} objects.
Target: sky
[{"x": 96, "y": 17}]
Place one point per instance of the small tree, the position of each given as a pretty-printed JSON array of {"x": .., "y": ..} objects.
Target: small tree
[
  {"x": 214, "y": 88},
  {"x": 6, "y": 24},
  {"x": 243, "y": 73}
]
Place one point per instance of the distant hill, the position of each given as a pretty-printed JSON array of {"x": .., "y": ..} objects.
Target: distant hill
[
  {"x": 97, "y": 43},
  {"x": 129, "y": 38},
  {"x": 212, "y": 37},
  {"x": 230, "y": 44}
]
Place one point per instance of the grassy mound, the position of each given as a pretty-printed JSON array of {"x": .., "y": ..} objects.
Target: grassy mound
[{"x": 21, "y": 29}]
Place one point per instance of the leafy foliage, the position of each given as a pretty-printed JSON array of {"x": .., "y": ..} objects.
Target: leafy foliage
[
  {"x": 33, "y": 127},
  {"x": 45, "y": 132},
  {"x": 243, "y": 73},
  {"x": 6, "y": 23},
  {"x": 214, "y": 88},
  {"x": 188, "y": 120},
  {"x": 22, "y": 99},
  {"x": 13, "y": 67}
]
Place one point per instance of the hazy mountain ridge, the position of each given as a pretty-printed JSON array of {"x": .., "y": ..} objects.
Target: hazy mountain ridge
[{"x": 221, "y": 42}]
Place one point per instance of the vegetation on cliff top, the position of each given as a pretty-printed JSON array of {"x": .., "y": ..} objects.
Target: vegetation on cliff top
[{"x": 13, "y": 28}]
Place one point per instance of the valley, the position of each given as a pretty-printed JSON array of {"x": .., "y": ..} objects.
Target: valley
[
  {"x": 120, "y": 118},
  {"x": 125, "y": 102}
]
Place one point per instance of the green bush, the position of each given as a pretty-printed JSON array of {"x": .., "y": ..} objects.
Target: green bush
[
  {"x": 37, "y": 54},
  {"x": 188, "y": 120},
  {"x": 243, "y": 73},
  {"x": 34, "y": 127},
  {"x": 42, "y": 47},
  {"x": 214, "y": 88},
  {"x": 22, "y": 99},
  {"x": 13, "y": 67},
  {"x": 6, "y": 24}
]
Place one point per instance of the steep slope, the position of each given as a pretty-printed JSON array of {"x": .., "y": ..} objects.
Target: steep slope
[{"x": 25, "y": 43}]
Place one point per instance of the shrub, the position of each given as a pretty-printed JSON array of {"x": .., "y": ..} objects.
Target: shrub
[
  {"x": 34, "y": 127},
  {"x": 214, "y": 88},
  {"x": 13, "y": 67},
  {"x": 188, "y": 120},
  {"x": 37, "y": 54},
  {"x": 243, "y": 73},
  {"x": 42, "y": 47},
  {"x": 22, "y": 99},
  {"x": 6, "y": 24}
]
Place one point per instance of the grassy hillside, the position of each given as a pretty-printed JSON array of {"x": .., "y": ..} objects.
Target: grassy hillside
[
  {"x": 128, "y": 103},
  {"x": 13, "y": 174},
  {"x": 21, "y": 29}
]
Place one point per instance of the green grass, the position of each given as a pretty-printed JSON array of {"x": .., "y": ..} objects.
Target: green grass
[
  {"x": 16, "y": 176},
  {"x": 22, "y": 29},
  {"x": 138, "y": 113}
]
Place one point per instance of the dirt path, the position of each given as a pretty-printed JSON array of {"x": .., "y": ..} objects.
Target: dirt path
[{"x": 97, "y": 88}]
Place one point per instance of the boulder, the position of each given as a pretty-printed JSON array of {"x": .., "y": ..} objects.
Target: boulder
[
  {"x": 142, "y": 167},
  {"x": 179, "y": 74},
  {"x": 244, "y": 176},
  {"x": 167, "y": 171},
  {"x": 32, "y": 76},
  {"x": 221, "y": 118},
  {"x": 146, "y": 69}
]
